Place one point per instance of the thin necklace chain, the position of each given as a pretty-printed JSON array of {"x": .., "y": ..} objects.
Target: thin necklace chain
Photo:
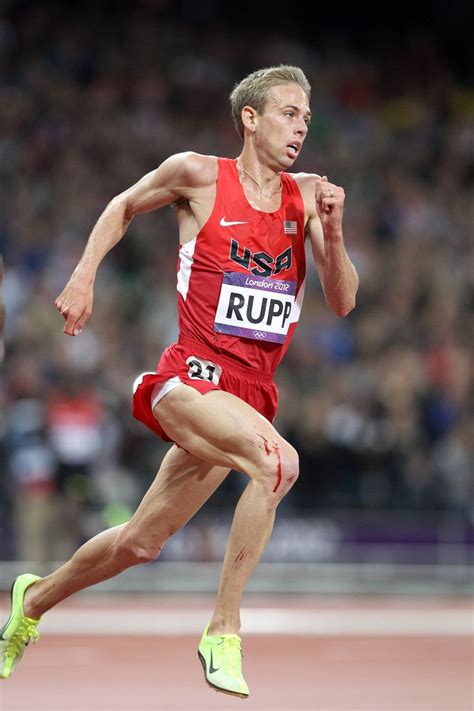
[{"x": 278, "y": 190}]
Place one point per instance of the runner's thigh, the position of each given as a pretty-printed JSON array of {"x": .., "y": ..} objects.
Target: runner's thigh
[{"x": 223, "y": 429}]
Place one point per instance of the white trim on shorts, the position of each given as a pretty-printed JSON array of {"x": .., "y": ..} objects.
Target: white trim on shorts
[
  {"x": 159, "y": 391},
  {"x": 139, "y": 380}
]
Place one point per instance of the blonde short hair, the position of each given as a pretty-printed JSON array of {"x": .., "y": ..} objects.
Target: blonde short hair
[{"x": 253, "y": 90}]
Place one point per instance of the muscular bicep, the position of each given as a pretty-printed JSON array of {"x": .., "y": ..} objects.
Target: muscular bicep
[{"x": 173, "y": 180}]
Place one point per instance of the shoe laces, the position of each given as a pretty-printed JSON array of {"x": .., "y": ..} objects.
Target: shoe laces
[
  {"x": 232, "y": 648},
  {"x": 25, "y": 633}
]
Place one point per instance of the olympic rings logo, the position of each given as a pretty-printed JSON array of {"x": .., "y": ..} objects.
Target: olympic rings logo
[{"x": 258, "y": 334}]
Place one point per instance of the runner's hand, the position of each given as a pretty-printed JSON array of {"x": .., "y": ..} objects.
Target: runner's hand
[
  {"x": 75, "y": 305},
  {"x": 329, "y": 205}
]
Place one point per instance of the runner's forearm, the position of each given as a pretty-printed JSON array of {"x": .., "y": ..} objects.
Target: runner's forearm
[
  {"x": 108, "y": 231},
  {"x": 340, "y": 277}
]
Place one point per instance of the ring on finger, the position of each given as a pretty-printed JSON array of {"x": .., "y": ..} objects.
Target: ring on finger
[{"x": 331, "y": 192}]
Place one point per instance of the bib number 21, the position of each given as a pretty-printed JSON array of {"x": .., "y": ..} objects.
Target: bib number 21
[{"x": 200, "y": 369}]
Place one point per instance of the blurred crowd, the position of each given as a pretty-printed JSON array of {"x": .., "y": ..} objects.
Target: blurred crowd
[{"x": 377, "y": 404}]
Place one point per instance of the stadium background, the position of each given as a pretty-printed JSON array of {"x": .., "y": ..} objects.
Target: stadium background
[{"x": 378, "y": 404}]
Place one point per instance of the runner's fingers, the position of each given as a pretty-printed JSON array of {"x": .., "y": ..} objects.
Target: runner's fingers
[
  {"x": 71, "y": 325},
  {"x": 78, "y": 328},
  {"x": 324, "y": 199},
  {"x": 63, "y": 307},
  {"x": 324, "y": 189},
  {"x": 327, "y": 203}
]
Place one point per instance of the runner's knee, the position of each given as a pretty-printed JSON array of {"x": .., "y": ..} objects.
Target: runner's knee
[
  {"x": 277, "y": 468},
  {"x": 133, "y": 547}
]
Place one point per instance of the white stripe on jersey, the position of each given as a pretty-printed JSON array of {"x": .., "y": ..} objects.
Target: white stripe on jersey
[
  {"x": 298, "y": 303},
  {"x": 186, "y": 253}
]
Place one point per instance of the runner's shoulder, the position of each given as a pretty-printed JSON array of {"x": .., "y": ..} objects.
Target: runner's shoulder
[
  {"x": 306, "y": 180},
  {"x": 194, "y": 169},
  {"x": 307, "y": 185}
]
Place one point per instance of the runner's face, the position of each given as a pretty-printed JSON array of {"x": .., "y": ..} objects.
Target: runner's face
[{"x": 282, "y": 128}]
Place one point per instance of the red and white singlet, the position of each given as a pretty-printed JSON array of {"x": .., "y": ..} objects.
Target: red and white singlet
[{"x": 240, "y": 291}]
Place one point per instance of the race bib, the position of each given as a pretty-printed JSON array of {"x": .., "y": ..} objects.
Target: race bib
[
  {"x": 200, "y": 369},
  {"x": 255, "y": 307}
]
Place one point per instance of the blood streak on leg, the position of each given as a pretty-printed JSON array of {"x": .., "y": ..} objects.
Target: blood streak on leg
[
  {"x": 268, "y": 451},
  {"x": 239, "y": 558},
  {"x": 276, "y": 449}
]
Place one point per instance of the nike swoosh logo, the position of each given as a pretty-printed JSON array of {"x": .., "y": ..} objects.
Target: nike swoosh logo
[
  {"x": 224, "y": 223},
  {"x": 212, "y": 668}
]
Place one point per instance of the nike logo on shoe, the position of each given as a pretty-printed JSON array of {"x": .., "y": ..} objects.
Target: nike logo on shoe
[
  {"x": 212, "y": 668},
  {"x": 224, "y": 223}
]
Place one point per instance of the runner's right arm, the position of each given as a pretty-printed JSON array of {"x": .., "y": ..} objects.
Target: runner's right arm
[{"x": 174, "y": 179}]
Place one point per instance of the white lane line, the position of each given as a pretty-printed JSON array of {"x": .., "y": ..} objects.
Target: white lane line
[{"x": 120, "y": 622}]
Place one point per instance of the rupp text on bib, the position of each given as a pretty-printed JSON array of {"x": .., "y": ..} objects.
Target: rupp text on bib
[{"x": 255, "y": 307}]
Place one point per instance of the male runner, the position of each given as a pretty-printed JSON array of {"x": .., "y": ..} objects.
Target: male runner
[{"x": 242, "y": 228}]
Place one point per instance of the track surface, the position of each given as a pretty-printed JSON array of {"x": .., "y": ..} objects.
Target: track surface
[{"x": 312, "y": 671}]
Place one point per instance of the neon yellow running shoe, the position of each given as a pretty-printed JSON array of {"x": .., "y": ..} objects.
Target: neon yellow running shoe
[
  {"x": 19, "y": 630},
  {"x": 221, "y": 658}
]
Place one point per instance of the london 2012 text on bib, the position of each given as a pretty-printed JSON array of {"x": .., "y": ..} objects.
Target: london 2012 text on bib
[{"x": 255, "y": 307}]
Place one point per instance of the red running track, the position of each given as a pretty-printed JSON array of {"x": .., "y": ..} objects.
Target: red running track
[{"x": 304, "y": 673}]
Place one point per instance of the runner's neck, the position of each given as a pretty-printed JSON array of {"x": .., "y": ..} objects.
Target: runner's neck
[{"x": 257, "y": 183}]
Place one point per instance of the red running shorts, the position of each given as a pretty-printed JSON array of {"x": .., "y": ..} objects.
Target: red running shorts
[{"x": 192, "y": 363}]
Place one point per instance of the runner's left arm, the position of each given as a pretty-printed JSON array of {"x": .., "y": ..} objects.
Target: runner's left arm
[{"x": 339, "y": 280}]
